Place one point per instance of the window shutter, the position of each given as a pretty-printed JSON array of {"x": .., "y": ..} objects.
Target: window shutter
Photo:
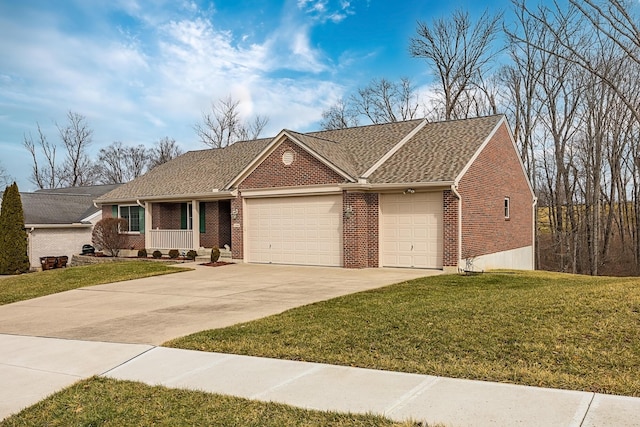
[
  {"x": 202, "y": 217},
  {"x": 114, "y": 211},
  {"x": 183, "y": 216},
  {"x": 141, "y": 219}
]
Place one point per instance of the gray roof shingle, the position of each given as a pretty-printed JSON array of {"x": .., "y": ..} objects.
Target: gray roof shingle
[
  {"x": 62, "y": 205},
  {"x": 436, "y": 153}
]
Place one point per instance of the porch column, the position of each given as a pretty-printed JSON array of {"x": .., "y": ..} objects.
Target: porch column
[
  {"x": 195, "y": 223},
  {"x": 148, "y": 224}
]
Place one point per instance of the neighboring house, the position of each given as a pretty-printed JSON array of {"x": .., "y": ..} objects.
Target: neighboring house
[
  {"x": 407, "y": 194},
  {"x": 59, "y": 221}
]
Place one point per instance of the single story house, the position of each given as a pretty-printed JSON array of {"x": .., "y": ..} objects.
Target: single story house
[
  {"x": 59, "y": 221},
  {"x": 406, "y": 194}
]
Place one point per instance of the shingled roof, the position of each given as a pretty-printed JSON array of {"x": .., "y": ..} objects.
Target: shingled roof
[
  {"x": 437, "y": 152},
  {"x": 62, "y": 205}
]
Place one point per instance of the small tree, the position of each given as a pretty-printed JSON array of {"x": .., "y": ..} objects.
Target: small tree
[
  {"x": 13, "y": 238},
  {"x": 106, "y": 235}
]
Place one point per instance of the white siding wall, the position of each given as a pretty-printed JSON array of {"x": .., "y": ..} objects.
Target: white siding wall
[
  {"x": 516, "y": 259},
  {"x": 56, "y": 242}
]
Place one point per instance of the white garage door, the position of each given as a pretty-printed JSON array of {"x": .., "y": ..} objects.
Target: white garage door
[
  {"x": 295, "y": 230},
  {"x": 411, "y": 230}
]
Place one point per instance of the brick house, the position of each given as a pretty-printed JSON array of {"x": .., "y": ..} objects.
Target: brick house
[{"x": 406, "y": 194}]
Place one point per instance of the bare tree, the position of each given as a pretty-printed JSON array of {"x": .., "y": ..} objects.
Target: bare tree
[
  {"x": 381, "y": 101},
  {"x": 48, "y": 176},
  {"x": 5, "y": 178},
  {"x": 76, "y": 137},
  {"x": 384, "y": 101},
  {"x": 222, "y": 125},
  {"x": 118, "y": 163},
  {"x": 76, "y": 169},
  {"x": 164, "y": 149},
  {"x": 339, "y": 116},
  {"x": 459, "y": 50}
]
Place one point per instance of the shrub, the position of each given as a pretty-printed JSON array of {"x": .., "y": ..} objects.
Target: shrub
[
  {"x": 142, "y": 253},
  {"x": 106, "y": 235},
  {"x": 174, "y": 253},
  {"x": 13, "y": 238},
  {"x": 215, "y": 254},
  {"x": 157, "y": 254},
  {"x": 192, "y": 254}
]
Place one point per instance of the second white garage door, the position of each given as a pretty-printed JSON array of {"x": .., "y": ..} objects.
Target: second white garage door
[
  {"x": 303, "y": 230},
  {"x": 411, "y": 230}
]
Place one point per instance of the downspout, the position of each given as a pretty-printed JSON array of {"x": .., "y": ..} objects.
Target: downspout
[
  {"x": 454, "y": 189},
  {"x": 534, "y": 219},
  {"x": 139, "y": 203}
]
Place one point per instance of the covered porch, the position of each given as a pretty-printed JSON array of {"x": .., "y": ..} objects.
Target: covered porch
[{"x": 186, "y": 225}]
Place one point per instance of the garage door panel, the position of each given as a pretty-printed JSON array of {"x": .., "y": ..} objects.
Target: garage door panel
[
  {"x": 411, "y": 230},
  {"x": 295, "y": 230}
]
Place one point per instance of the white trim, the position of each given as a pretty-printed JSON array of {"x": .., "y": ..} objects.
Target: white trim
[
  {"x": 393, "y": 150},
  {"x": 74, "y": 225},
  {"x": 444, "y": 185},
  {"x": 92, "y": 216},
  {"x": 291, "y": 191},
  {"x": 195, "y": 222},
  {"x": 215, "y": 195},
  {"x": 271, "y": 147}
]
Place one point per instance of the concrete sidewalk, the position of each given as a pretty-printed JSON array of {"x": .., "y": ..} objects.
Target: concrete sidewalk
[{"x": 31, "y": 368}]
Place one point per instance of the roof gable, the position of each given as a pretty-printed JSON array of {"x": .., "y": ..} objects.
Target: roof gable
[
  {"x": 438, "y": 152},
  {"x": 306, "y": 143}
]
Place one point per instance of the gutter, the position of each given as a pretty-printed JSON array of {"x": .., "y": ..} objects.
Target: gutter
[
  {"x": 396, "y": 186},
  {"x": 215, "y": 195},
  {"x": 73, "y": 225},
  {"x": 534, "y": 220}
]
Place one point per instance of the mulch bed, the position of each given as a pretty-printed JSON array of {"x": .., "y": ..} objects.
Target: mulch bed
[{"x": 216, "y": 264}]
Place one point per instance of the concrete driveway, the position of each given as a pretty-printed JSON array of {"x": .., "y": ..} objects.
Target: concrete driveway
[{"x": 156, "y": 309}]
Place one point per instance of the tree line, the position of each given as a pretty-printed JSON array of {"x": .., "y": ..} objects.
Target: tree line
[{"x": 114, "y": 164}]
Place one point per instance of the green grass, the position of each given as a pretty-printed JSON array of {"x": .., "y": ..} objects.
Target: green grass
[
  {"x": 106, "y": 402},
  {"x": 32, "y": 285},
  {"x": 539, "y": 329}
]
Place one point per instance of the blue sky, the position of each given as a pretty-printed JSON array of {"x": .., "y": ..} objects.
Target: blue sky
[{"x": 141, "y": 70}]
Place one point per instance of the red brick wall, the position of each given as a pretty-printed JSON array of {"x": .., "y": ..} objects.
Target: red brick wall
[
  {"x": 305, "y": 170},
  {"x": 224, "y": 223},
  {"x": 494, "y": 175},
  {"x": 133, "y": 241},
  {"x": 360, "y": 232},
  {"x": 165, "y": 216},
  {"x": 450, "y": 229},
  {"x": 237, "y": 245}
]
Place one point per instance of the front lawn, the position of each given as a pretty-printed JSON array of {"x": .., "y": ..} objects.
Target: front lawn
[
  {"x": 106, "y": 402},
  {"x": 32, "y": 285},
  {"x": 534, "y": 328}
]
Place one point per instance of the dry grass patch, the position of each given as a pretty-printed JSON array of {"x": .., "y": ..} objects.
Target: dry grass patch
[
  {"x": 33, "y": 285},
  {"x": 106, "y": 402},
  {"x": 536, "y": 328}
]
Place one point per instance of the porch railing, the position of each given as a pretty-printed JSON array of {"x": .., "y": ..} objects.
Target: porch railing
[{"x": 170, "y": 239}]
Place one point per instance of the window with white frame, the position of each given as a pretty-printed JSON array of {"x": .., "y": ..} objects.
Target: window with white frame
[
  {"x": 132, "y": 215},
  {"x": 507, "y": 207}
]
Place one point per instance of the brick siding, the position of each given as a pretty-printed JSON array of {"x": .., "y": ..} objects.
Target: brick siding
[
  {"x": 450, "y": 229},
  {"x": 360, "y": 232},
  {"x": 305, "y": 170},
  {"x": 494, "y": 175}
]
